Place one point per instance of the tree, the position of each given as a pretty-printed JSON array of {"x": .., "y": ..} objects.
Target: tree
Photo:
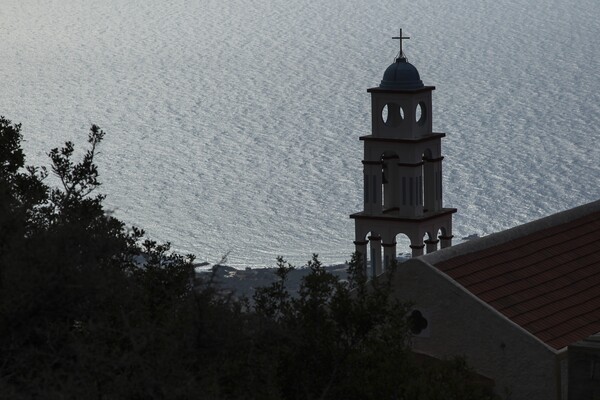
[
  {"x": 84, "y": 302},
  {"x": 350, "y": 340},
  {"x": 91, "y": 309}
]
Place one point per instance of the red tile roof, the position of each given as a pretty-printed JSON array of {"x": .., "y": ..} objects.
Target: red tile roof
[{"x": 547, "y": 281}]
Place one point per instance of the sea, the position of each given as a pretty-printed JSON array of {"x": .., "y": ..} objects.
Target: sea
[{"x": 232, "y": 126}]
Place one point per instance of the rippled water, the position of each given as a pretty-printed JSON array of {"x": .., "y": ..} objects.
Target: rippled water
[{"x": 233, "y": 125}]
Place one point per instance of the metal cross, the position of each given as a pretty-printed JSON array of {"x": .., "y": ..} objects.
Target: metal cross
[{"x": 401, "y": 38}]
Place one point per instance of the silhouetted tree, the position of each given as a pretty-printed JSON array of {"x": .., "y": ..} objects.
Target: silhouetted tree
[
  {"x": 91, "y": 309},
  {"x": 87, "y": 308},
  {"x": 349, "y": 340}
]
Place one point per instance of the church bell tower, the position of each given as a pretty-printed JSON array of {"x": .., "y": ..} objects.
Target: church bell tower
[{"x": 402, "y": 168}]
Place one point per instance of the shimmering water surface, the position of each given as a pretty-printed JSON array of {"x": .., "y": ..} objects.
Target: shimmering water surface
[{"x": 233, "y": 125}]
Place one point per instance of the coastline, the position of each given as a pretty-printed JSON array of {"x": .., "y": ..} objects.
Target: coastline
[{"x": 242, "y": 282}]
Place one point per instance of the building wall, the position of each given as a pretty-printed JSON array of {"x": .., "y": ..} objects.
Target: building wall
[
  {"x": 459, "y": 325},
  {"x": 584, "y": 369}
]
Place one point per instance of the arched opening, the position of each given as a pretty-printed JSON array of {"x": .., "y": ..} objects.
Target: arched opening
[
  {"x": 441, "y": 232},
  {"x": 421, "y": 113},
  {"x": 403, "y": 250},
  {"x": 431, "y": 242},
  {"x": 385, "y": 113},
  {"x": 445, "y": 237}
]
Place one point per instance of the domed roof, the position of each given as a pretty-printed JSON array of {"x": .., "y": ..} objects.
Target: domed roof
[{"x": 401, "y": 75}]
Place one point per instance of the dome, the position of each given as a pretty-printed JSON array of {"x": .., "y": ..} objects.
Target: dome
[{"x": 401, "y": 75}]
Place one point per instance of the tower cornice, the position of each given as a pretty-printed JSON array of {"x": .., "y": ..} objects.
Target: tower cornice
[
  {"x": 390, "y": 90},
  {"x": 434, "y": 136},
  {"x": 396, "y": 218}
]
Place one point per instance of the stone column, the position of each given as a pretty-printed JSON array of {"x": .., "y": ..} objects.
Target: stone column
[
  {"x": 390, "y": 183},
  {"x": 417, "y": 249},
  {"x": 446, "y": 241},
  {"x": 433, "y": 184},
  {"x": 437, "y": 170},
  {"x": 431, "y": 245},
  {"x": 375, "y": 267},
  {"x": 410, "y": 193},
  {"x": 372, "y": 187}
]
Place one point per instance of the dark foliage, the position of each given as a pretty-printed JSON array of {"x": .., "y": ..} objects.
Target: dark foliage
[{"x": 91, "y": 310}]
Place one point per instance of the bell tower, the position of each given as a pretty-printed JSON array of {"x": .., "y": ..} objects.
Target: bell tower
[{"x": 402, "y": 168}]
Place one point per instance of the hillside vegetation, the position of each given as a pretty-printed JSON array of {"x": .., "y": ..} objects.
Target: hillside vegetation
[{"x": 90, "y": 309}]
